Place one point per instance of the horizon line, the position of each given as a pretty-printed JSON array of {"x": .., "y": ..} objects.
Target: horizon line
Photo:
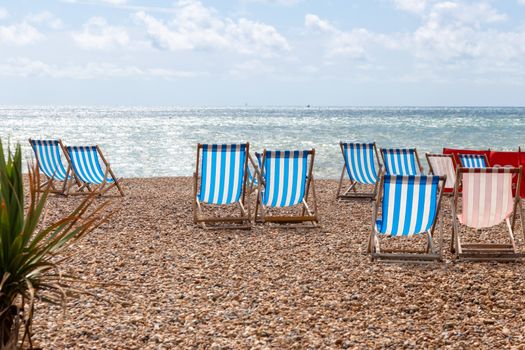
[{"x": 305, "y": 106}]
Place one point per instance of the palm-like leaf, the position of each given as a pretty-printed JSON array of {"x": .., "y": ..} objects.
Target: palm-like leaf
[{"x": 29, "y": 267}]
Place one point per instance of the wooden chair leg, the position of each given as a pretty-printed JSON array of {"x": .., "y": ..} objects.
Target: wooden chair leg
[
  {"x": 340, "y": 182},
  {"x": 452, "y": 238},
  {"x": 520, "y": 207},
  {"x": 117, "y": 183},
  {"x": 195, "y": 197},
  {"x": 256, "y": 211},
  {"x": 430, "y": 243}
]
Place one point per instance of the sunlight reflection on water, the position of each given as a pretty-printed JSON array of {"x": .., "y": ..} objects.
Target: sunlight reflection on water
[{"x": 144, "y": 142}]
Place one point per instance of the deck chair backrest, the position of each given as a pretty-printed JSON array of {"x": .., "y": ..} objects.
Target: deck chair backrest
[
  {"x": 487, "y": 198},
  {"x": 285, "y": 176},
  {"x": 47, "y": 153},
  {"x": 360, "y": 162},
  {"x": 86, "y": 164},
  {"x": 443, "y": 165},
  {"x": 410, "y": 204},
  {"x": 473, "y": 160},
  {"x": 401, "y": 161},
  {"x": 222, "y": 173}
]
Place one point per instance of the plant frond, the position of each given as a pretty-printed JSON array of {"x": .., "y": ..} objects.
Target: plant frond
[{"x": 31, "y": 250}]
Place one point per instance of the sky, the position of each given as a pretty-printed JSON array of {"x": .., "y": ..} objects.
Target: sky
[{"x": 262, "y": 52}]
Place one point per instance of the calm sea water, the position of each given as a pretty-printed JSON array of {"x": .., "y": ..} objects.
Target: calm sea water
[{"x": 145, "y": 142}]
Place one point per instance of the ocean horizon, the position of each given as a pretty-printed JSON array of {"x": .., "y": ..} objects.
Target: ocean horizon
[{"x": 161, "y": 141}]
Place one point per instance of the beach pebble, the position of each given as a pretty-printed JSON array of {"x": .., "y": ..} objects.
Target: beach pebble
[{"x": 172, "y": 285}]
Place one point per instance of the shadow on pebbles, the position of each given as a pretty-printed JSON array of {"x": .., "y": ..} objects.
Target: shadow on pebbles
[{"x": 169, "y": 284}]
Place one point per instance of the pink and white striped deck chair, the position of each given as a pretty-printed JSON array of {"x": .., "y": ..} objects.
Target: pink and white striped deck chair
[
  {"x": 487, "y": 200},
  {"x": 443, "y": 165}
]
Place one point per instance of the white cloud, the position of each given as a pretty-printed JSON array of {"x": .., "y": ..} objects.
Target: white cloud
[
  {"x": 47, "y": 18},
  {"x": 170, "y": 73},
  {"x": 3, "y": 13},
  {"x": 25, "y": 32},
  {"x": 462, "y": 40},
  {"x": 454, "y": 29},
  {"x": 354, "y": 43},
  {"x": 471, "y": 12},
  {"x": 277, "y": 2},
  {"x": 188, "y": 35},
  {"x": 109, "y": 2},
  {"x": 115, "y": 2},
  {"x": 314, "y": 22},
  {"x": 477, "y": 13},
  {"x": 522, "y": 2},
  {"x": 414, "y": 6},
  {"x": 197, "y": 27},
  {"x": 254, "y": 37},
  {"x": 24, "y": 67},
  {"x": 98, "y": 34},
  {"x": 19, "y": 34},
  {"x": 455, "y": 39}
]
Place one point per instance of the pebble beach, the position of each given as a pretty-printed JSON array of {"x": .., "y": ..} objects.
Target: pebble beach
[
  {"x": 138, "y": 96},
  {"x": 165, "y": 283}
]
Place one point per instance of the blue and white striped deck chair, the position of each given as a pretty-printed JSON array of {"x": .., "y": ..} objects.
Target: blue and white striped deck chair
[
  {"x": 401, "y": 161},
  {"x": 409, "y": 207},
  {"x": 360, "y": 166},
  {"x": 287, "y": 177},
  {"x": 49, "y": 160},
  {"x": 220, "y": 178},
  {"x": 86, "y": 164},
  {"x": 473, "y": 160}
]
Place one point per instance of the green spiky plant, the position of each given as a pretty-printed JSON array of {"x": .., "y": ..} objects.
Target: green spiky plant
[{"x": 30, "y": 249}]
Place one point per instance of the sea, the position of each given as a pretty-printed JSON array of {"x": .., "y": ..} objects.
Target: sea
[{"x": 151, "y": 142}]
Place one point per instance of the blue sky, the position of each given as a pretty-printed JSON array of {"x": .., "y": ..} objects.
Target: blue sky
[{"x": 262, "y": 52}]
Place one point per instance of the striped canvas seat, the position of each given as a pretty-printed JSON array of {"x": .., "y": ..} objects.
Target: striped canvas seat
[
  {"x": 86, "y": 164},
  {"x": 487, "y": 197},
  {"x": 223, "y": 168},
  {"x": 409, "y": 205},
  {"x": 487, "y": 200},
  {"x": 286, "y": 182},
  {"x": 401, "y": 161},
  {"x": 443, "y": 165},
  {"x": 47, "y": 153},
  {"x": 472, "y": 160},
  {"x": 285, "y": 175},
  {"x": 360, "y": 163}
]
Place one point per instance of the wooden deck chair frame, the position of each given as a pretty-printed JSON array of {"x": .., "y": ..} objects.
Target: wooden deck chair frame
[
  {"x": 100, "y": 189},
  {"x": 429, "y": 255},
  {"x": 51, "y": 181},
  {"x": 432, "y": 172},
  {"x": 487, "y": 251},
  {"x": 253, "y": 186},
  {"x": 415, "y": 152},
  {"x": 487, "y": 163},
  {"x": 308, "y": 217},
  {"x": 351, "y": 191},
  {"x": 242, "y": 222}
]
